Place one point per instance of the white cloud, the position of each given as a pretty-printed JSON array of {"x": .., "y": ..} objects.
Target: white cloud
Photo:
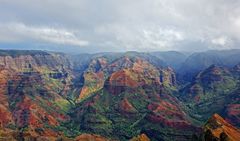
[
  {"x": 142, "y": 38},
  {"x": 125, "y": 24},
  {"x": 221, "y": 41},
  {"x": 161, "y": 38},
  {"x": 20, "y": 32}
]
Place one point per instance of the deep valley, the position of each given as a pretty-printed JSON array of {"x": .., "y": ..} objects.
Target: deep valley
[{"x": 159, "y": 96}]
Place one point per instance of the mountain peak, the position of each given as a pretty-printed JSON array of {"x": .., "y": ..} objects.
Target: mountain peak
[
  {"x": 214, "y": 68},
  {"x": 217, "y": 116},
  {"x": 212, "y": 74}
]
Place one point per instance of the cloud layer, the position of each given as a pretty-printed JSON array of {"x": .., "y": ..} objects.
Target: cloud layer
[
  {"x": 114, "y": 25},
  {"x": 20, "y": 32}
]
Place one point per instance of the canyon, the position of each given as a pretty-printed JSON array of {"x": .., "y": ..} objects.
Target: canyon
[{"x": 119, "y": 96}]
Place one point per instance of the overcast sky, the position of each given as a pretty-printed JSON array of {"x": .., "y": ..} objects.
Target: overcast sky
[{"x": 120, "y": 25}]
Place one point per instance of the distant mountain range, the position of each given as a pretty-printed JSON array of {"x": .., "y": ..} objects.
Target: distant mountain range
[{"x": 157, "y": 96}]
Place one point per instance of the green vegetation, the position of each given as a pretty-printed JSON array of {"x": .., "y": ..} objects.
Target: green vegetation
[{"x": 151, "y": 102}]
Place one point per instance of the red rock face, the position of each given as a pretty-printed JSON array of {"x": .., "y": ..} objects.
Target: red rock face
[
  {"x": 121, "y": 63},
  {"x": 29, "y": 113},
  {"x": 29, "y": 107},
  {"x": 168, "y": 114},
  {"x": 233, "y": 114},
  {"x": 93, "y": 82},
  {"x": 128, "y": 78},
  {"x": 213, "y": 74},
  {"x": 5, "y": 114},
  {"x": 209, "y": 83},
  {"x": 164, "y": 109},
  {"x": 126, "y": 107},
  {"x": 217, "y": 126},
  {"x": 93, "y": 77},
  {"x": 121, "y": 78},
  {"x": 123, "y": 72},
  {"x": 26, "y": 99},
  {"x": 142, "y": 137},
  {"x": 168, "y": 77},
  {"x": 194, "y": 92},
  {"x": 19, "y": 63},
  {"x": 31, "y": 86},
  {"x": 139, "y": 74},
  {"x": 91, "y": 137}
]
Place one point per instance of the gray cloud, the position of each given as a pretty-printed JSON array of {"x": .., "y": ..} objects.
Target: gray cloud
[
  {"x": 19, "y": 32},
  {"x": 140, "y": 25}
]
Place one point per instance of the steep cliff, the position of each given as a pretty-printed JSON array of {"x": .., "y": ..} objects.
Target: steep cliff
[{"x": 33, "y": 94}]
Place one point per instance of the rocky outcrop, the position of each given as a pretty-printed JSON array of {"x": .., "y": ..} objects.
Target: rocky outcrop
[
  {"x": 124, "y": 72},
  {"x": 32, "y": 86},
  {"x": 232, "y": 114},
  {"x": 212, "y": 82},
  {"x": 91, "y": 137},
  {"x": 24, "y": 62},
  {"x": 139, "y": 93},
  {"x": 45, "y": 96},
  {"x": 142, "y": 137},
  {"x": 218, "y": 129}
]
